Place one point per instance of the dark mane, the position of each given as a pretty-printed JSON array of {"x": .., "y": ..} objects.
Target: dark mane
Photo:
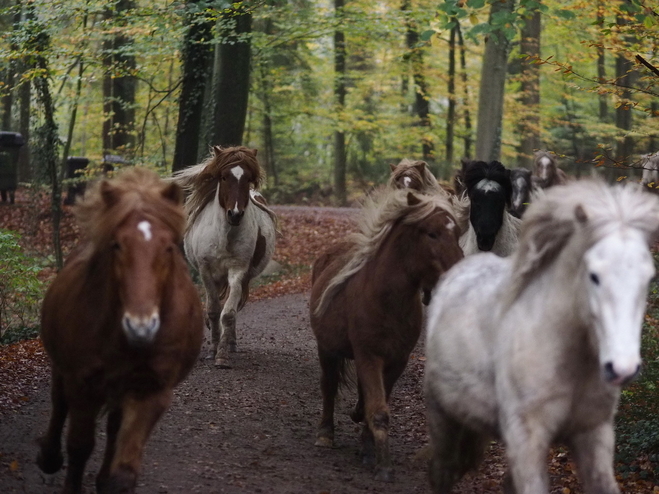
[
  {"x": 478, "y": 170},
  {"x": 524, "y": 173}
]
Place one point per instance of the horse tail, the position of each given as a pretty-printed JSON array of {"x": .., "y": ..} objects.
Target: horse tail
[
  {"x": 347, "y": 374},
  {"x": 259, "y": 201}
]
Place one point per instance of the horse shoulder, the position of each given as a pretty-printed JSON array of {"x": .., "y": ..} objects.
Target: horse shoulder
[
  {"x": 561, "y": 177},
  {"x": 508, "y": 236}
]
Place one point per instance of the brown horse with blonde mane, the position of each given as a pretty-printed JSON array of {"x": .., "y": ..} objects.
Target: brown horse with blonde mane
[
  {"x": 122, "y": 324},
  {"x": 366, "y": 306}
]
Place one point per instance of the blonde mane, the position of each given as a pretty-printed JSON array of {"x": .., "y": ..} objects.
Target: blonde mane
[
  {"x": 107, "y": 203},
  {"x": 588, "y": 208},
  {"x": 427, "y": 179},
  {"x": 381, "y": 210},
  {"x": 200, "y": 181}
]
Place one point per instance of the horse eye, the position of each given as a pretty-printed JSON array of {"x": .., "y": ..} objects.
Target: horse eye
[
  {"x": 594, "y": 278},
  {"x": 116, "y": 246},
  {"x": 433, "y": 235}
]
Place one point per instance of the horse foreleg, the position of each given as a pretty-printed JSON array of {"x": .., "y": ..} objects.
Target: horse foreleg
[
  {"x": 139, "y": 416},
  {"x": 329, "y": 384},
  {"x": 527, "y": 442},
  {"x": 370, "y": 373},
  {"x": 228, "y": 318},
  {"x": 213, "y": 309},
  {"x": 594, "y": 451},
  {"x": 79, "y": 443},
  {"x": 50, "y": 457},
  {"x": 113, "y": 425}
]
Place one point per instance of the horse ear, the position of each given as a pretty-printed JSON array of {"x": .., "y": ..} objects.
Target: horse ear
[
  {"x": 173, "y": 193},
  {"x": 109, "y": 194},
  {"x": 392, "y": 166},
  {"x": 255, "y": 152},
  {"x": 412, "y": 200},
  {"x": 217, "y": 150},
  {"x": 421, "y": 166},
  {"x": 580, "y": 214}
]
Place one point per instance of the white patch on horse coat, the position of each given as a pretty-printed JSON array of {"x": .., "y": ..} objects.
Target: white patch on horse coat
[
  {"x": 237, "y": 171},
  {"x": 235, "y": 208},
  {"x": 487, "y": 185},
  {"x": 450, "y": 225},
  {"x": 545, "y": 161},
  {"x": 407, "y": 181},
  {"x": 145, "y": 228}
]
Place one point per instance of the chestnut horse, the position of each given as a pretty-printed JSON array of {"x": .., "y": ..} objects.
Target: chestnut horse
[
  {"x": 122, "y": 324},
  {"x": 230, "y": 236},
  {"x": 366, "y": 306}
]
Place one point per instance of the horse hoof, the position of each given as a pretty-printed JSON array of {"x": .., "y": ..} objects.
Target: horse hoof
[
  {"x": 222, "y": 363},
  {"x": 233, "y": 348},
  {"x": 368, "y": 460},
  {"x": 324, "y": 442},
  {"x": 50, "y": 464},
  {"x": 384, "y": 474}
]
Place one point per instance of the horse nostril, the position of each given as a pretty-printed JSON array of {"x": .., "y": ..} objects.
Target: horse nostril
[{"x": 609, "y": 373}]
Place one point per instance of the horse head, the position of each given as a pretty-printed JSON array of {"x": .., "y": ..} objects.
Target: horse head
[
  {"x": 435, "y": 237},
  {"x": 238, "y": 174},
  {"x": 522, "y": 185},
  {"x": 489, "y": 189},
  {"x": 618, "y": 269},
  {"x": 408, "y": 174},
  {"x": 545, "y": 168},
  {"x": 143, "y": 246}
]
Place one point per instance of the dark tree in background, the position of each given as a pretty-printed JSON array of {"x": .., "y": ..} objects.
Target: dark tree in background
[
  {"x": 340, "y": 102},
  {"x": 492, "y": 86},
  {"x": 231, "y": 80},
  {"x": 197, "y": 57},
  {"x": 119, "y": 83},
  {"x": 626, "y": 77},
  {"x": 529, "y": 123}
]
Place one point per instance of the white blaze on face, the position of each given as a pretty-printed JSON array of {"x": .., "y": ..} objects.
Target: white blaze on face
[
  {"x": 517, "y": 193},
  {"x": 619, "y": 270},
  {"x": 237, "y": 172},
  {"x": 544, "y": 167},
  {"x": 145, "y": 228},
  {"x": 407, "y": 181},
  {"x": 487, "y": 185}
]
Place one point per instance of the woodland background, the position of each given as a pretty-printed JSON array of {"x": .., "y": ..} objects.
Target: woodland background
[{"x": 330, "y": 92}]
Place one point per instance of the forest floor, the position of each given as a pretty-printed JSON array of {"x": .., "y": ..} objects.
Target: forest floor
[{"x": 250, "y": 428}]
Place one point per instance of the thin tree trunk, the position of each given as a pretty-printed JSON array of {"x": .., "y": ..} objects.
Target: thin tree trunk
[
  {"x": 601, "y": 67},
  {"x": 10, "y": 76},
  {"x": 421, "y": 98},
  {"x": 625, "y": 76},
  {"x": 492, "y": 86},
  {"x": 232, "y": 87},
  {"x": 340, "y": 101},
  {"x": 468, "y": 138},
  {"x": 529, "y": 125},
  {"x": 72, "y": 119},
  {"x": 25, "y": 171},
  {"x": 197, "y": 55},
  {"x": 450, "y": 118},
  {"x": 268, "y": 138},
  {"x": 119, "y": 86}
]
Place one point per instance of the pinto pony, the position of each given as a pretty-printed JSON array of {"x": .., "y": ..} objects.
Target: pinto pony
[
  {"x": 482, "y": 207},
  {"x": 556, "y": 334},
  {"x": 366, "y": 306},
  {"x": 546, "y": 172},
  {"x": 410, "y": 174},
  {"x": 122, "y": 324},
  {"x": 522, "y": 191},
  {"x": 230, "y": 236}
]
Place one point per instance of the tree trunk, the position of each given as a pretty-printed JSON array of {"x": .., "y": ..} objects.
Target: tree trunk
[
  {"x": 625, "y": 76},
  {"x": 450, "y": 118},
  {"x": 492, "y": 86},
  {"x": 232, "y": 81},
  {"x": 10, "y": 76},
  {"x": 601, "y": 67},
  {"x": 421, "y": 99},
  {"x": 529, "y": 125},
  {"x": 468, "y": 138},
  {"x": 340, "y": 101},
  {"x": 197, "y": 56},
  {"x": 25, "y": 171},
  {"x": 119, "y": 85}
]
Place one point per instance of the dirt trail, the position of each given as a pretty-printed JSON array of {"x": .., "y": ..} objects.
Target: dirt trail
[{"x": 248, "y": 429}]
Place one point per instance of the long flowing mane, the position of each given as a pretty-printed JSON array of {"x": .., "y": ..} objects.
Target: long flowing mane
[
  {"x": 587, "y": 208},
  {"x": 428, "y": 180},
  {"x": 135, "y": 189},
  {"x": 495, "y": 171},
  {"x": 381, "y": 210},
  {"x": 200, "y": 181}
]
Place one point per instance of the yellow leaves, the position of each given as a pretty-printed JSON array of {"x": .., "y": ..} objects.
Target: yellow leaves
[{"x": 13, "y": 466}]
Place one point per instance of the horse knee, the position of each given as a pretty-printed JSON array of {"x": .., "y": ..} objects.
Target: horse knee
[
  {"x": 380, "y": 421},
  {"x": 213, "y": 316},
  {"x": 229, "y": 318}
]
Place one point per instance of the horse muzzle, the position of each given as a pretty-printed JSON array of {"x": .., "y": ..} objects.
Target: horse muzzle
[
  {"x": 140, "y": 331},
  {"x": 234, "y": 217},
  {"x": 620, "y": 376}
]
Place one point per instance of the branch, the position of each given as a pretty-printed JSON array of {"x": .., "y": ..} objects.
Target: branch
[{"x": 642, "y": 60}]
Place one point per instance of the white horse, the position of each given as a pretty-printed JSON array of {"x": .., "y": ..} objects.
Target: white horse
[
  {"x": 535, "y": 347},
  {"x": 230, "y": 236},
  {"x": 650, "y": 166}
]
